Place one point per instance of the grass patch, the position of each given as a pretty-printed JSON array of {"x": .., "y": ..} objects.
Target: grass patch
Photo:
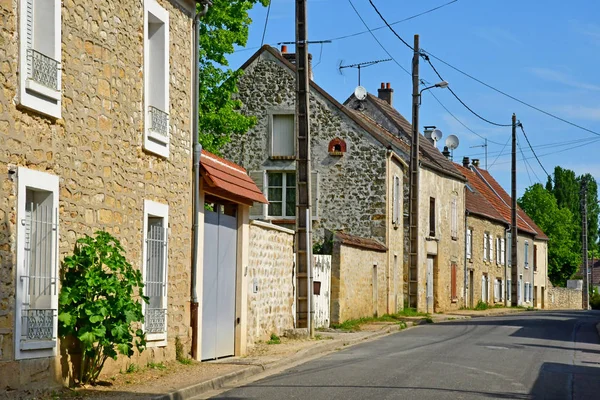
[
  {"x": 131, "y": 368},
  {"x": 160, "y": 366},
  {"x": 402, "y": 325},
  {"x": 429, "y": 320},
  {"x": 321, "y": 337},
  {"x": 481, "y": 306},
  {"x": 274, "y": 339},
  {"x": 410, "y": 312},
  {"x": 353, "y": 325},
  {"x": 186, "y": 361}
]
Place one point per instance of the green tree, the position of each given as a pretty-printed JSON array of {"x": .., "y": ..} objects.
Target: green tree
[
  {"x": 225, "y": 25},
  {"x": 593, "y": 210},
  {"x": 558, "y": 224},
  {"x": 100, "y": 303}
]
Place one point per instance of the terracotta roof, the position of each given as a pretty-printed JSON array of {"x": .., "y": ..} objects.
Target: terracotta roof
[
  {"x": 357, "y": 241},
  {"x": 432, "y": 157},
  {"x": 227, "y": 179},
  {"x": 496, "y": 196},
  {"x": 477, "y": 195}
]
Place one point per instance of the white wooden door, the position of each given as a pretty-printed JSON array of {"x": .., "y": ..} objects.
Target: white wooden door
[{"x": 429, "y": 284}]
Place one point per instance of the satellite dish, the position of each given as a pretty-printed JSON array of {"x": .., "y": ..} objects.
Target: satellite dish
[
  {"x": 452, "y": 142},
  {"x": 436, "y": 135},
  {"x": 360, "y": 93}
]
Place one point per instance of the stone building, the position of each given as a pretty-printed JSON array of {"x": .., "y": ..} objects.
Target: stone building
[
  {"x": 358, "y": 169},
  {"x": 488, "y": 249},
  {"x": 95, "y": 134},
  {"x": 438, "y": 285}
]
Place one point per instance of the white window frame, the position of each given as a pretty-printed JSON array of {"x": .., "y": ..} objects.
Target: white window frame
[
  {"x": 154, "y": 209},
  {"x": 485, "y": 288},
  {"x": 153, "y": 142},
  {"x": 272, "y": 114},
  {"x": 469, "y": 243},
  {"x": 36, "y": 180},
  {"x": 502, "y": 251},
  {"x": 526, "y": 255},
  {"x": 284, "y": 187},
  {"x": 454, "y": 219},
  {"x": 491, "y": 248},
  {"x": 32, "y": 94},
  {"x": 485, "y": 246},
  {"x": 396, "y": 201}
]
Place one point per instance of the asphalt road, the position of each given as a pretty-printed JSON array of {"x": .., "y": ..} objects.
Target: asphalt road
[{"x": 535, "y": 355}]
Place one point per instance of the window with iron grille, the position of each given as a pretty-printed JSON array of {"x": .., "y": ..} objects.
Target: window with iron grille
[
  {"x": 37, "y": 265},
  {"x": 156, "y": 78},
  {"x": 155, "y": 271},
  {"x": 432, "y": 216},
  {"x": 40, "y": 56}
]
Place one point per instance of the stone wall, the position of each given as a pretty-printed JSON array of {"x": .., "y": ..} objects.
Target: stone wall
[
  {"x": 271, "y": 277},
  {"x": 352, "y": 187},
  {"x": 96, "y": 150},
  {"x": 358, "y": 282},
  {"x": 563, "y": 298}
]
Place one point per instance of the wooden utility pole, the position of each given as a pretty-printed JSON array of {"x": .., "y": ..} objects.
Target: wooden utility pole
[
  {"x": 304, "y": 289},
  {"x": 584, "y": 245},
  {"x": 514, "y": 270},
  {"x": 413, "y": 207}
]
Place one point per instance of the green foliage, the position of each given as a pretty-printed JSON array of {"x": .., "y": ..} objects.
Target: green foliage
[
  {"x": 402, "y": 325},
  {"x": 481, "y": 305},
  {"x": 595, "y": 299},
  {"x": 559, "y": 225},
  {"x": 410, "y": 312},
  {"x": 131, "y": 368},
  {"x": 160, "y": 366},
  {"x": 274, "y": 339},
  {"x": 429, "y": 320},
  {"x": 97, "y": 304},
  {"x": 225, "y": 25},
  {"x": 353, "y": 325}
]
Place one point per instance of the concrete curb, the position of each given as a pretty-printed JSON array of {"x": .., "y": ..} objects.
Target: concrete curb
[{"x": 303, "y": 355}]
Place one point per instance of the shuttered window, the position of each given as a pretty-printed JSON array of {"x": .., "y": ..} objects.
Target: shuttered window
[
  {"x": 485, "y": 246},
  {"x": 469, "y": 243},
  {"x": 508, "y": 290},
  {"x": 453, "y": 282},
  {"x": 526, "y": 255},
  {"x": 156, "y": 217},
  {"x": 535, "y": 257},
  {"x": 37, "y": 265},
  {"x": 432, "y": 216},
  {"x": 491, "y": 248},
  {"x": 454, "y": 219},
  {"x": 259, "y": 210},
  {"x": 282, "y": 135},
  {"x": 502, "y": 251}
]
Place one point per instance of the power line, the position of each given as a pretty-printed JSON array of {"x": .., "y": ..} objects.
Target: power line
[
  {"x": 512, "y": 97},
  {"x": 377, "y": 40},
  {"x": 556, "y": 152},
  {"x": 389, "y": 26},
  {"x": 525, "y": 162},
  {"x": 548, "y": 145},
  {"x": 533, "y": 151},
  {"x": 501, "y": 151},
  {"x": 262, "y": 41}
]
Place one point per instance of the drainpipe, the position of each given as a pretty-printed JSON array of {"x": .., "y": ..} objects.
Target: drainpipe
[{"x": 196, "y": 172}]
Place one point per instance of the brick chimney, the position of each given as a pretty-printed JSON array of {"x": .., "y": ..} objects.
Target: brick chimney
[
  {"x": 466, "y": 162},
  {"x": 386, "y": 93},
  {"x": 291, "y": 57},
  {"x": 476, "y": 162}
]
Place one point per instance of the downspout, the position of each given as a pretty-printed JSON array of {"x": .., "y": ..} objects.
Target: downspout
[{"x": 196, "y": 172}]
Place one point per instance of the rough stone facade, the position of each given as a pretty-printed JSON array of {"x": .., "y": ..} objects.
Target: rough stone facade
[
  {"x": 563, "y": 298},
  {"x": 352, "y": 187},
  {"x": 96, "y": 149},
  {"x": 358, "y": 282},
  {"x": 271, "y": 277}
]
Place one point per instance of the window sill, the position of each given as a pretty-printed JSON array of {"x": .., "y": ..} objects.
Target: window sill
[
  {"x": 158, "y": 137},
  {"x": 272, "y": 157},
  {"x": 37, "y": 344},
  {"x": 42, "y": 90},
  {"x": 287, "y": 221},
  {"x": 432, "y": 239}
]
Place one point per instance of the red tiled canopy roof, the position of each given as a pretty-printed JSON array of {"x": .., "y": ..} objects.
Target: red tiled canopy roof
[{"x": 228, "y": 180}]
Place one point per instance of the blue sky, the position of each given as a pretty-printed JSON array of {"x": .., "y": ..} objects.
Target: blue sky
[{"x": 546, "y": 53}]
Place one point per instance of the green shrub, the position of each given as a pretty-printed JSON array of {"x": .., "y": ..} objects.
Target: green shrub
[
  {"x": 274, "y": 339},
  {"x": 595, "y": 299},
  {"x": 481, "y": 305},
  {"x": 99, "y": 305}
]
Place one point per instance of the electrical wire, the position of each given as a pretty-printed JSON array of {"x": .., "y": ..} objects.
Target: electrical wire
[
  {"x": 512, "y": 97},
  {"x": 533, "y": 151},
  {"x": 501, "y": 151},
  {"x": 546, "y": 146},
  {"x": 262, "y": 41},
  {"x": 525, "y": 162},
  {"x": 555, "y": 152},
  {"x": 389, "y": 26},
  {"x": 377, "y": 40}
]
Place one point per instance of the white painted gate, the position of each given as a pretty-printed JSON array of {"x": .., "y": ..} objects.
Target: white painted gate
[
  {"x": 322, "y": 274},
  {"x": 429, "y": 284},
  {"x": 218, "y": 298}
]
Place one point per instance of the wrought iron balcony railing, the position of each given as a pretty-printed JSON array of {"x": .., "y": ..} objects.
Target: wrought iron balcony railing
[
  {"x": 155, "y": 320},
  {"x": 43, "y": 69},
  {"x": 38, "y": 324},
  {"x": 159, "y": 121}
]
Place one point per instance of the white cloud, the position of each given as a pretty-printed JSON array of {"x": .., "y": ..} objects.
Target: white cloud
[
  {"x": 581, "y": 112},
  {"x": 561, "y": 77},
  {"x": 592, "y": 31},
  {"x": 498, "y": 36}
]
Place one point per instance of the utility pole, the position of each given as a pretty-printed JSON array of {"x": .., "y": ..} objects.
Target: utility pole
[
  {"x": 514, "y": 270},
  {"x": 304, "y": 287},
  {"x": 413, "y": 208},
  {"x": 584, "y": 241}
]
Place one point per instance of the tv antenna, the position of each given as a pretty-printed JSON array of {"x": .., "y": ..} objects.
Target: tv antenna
[
  {"x": 452, "y": 143},
  {"x": 360, "y": 65},
  {"x": 485, "y": 145}
]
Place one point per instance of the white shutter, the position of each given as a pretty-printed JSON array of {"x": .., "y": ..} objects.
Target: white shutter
[
  {"x": 454, "y": 217},
  {"x": 502, "y": 288},
  {"x": 29, "y": 37},
  {"x": 395, "y": 204},
  {"x": 469, "y": 243},
  {"x": 502, "y": 251},
  {"x": 485, "y": 246},
  {"x": 491, "y": 240},
  {"x": 508, "y": 250},
  {"x": 259, "y": 210},
  {"x": 283, "y": 138},
  {"x": 314, "y": 191},
  {"x": 483, "y": 289}
]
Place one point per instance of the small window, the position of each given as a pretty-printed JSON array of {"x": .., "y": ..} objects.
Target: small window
[
  {"x": 469, "y": 243},
  {"x": 156, "y": 78},
  {"x": 485, "y": 246},
  {"x": 535, "y": 257},
  {"x": 156, "y": 217},
  {"x": 453, "y": 282},
  {"x": 37, "y": 265},
  {"x": 432, "y": 216},
  {"x": 526, "y": 255},
  {"x": 396, "y": 201},
  {"x": 281, "y": 194},
  {"x": 282, "y": 136},
  {"x": 40, "y": 56},
  {"x": 454, "y": 219}
]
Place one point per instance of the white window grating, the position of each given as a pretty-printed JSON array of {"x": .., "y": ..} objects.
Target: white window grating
[
  {"x": 156, "y": 243},
  {"x": 37, "y": 316},
  {"x": 159, "y": 123}
]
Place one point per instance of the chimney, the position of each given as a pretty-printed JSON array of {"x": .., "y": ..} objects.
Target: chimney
[
  {"x": 476, "y": 162},
  {"x": 427, "y": 131},
  {"x": 386, "y": 93},
  {"x": 466, "y": 162},
  {"x": 446, "y": 153},
  {"x": 291, "y": 57}
]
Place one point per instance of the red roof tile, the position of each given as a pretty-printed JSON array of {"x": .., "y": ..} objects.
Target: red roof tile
[
  {"x": 357, "y": 241},
  {"x": 477, "y": 199},
  {"x": 230, "y": 178}
]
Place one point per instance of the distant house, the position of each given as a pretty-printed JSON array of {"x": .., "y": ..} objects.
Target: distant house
[{"x": 488, "y": 247}]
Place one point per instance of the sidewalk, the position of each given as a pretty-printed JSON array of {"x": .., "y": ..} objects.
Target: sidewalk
[{"x": 173, "y": 380}]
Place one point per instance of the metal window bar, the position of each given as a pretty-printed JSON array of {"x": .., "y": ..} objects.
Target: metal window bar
[
  {"x": 159, "y": 121},
  {"x": 42, "y": 69},
  {"x": 41, "y": 269},
  {"x": 156, "y": 245}
]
